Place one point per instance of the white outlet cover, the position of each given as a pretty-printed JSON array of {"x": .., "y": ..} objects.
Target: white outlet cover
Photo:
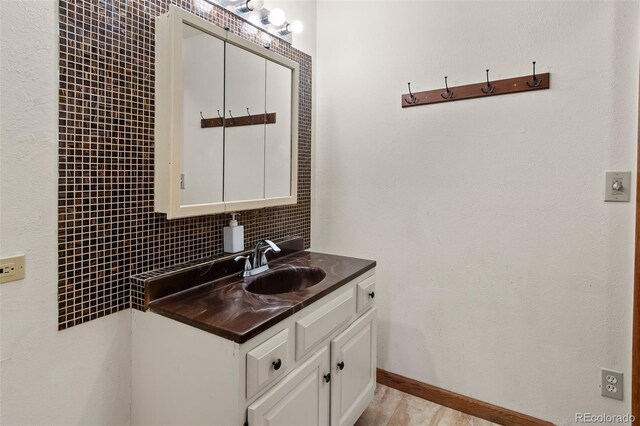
[
  {"x": 624, "y": 194},
  {"x": 611, "y": 384}
]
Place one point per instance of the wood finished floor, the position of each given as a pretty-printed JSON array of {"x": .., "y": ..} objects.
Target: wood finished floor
[{"x": 390, "y": 407}]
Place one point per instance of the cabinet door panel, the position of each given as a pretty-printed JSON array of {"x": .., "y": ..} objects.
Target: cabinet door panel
[
  {"x": 244, "y": 145},
  {"x": 300, "y": 399},
  {"x": 244, "y": 163},
  {"x": 278, "y": 135},
  {"x": 353, "y": 364},
  {"x": 202, "y": 55}
]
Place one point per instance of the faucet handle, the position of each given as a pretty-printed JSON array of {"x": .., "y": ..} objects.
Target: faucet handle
[
  {"x": 273, "y": 246},
  {"x": 263, "y": 258},
  {"x": 247, "y": 262}
]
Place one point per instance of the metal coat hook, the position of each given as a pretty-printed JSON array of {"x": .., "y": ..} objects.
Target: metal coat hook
[
  {"x": 220, "y": 116},
  {"x": 535, "y": 81},
  {"x": 448, "y": 94},
  {"x": 233, "y": 120},
  {"x": 201, "y": 116},
  {"x": 488, "y": 88},
  {"x": 250, "y": 116},
  {"x": 411, "y": 99}
]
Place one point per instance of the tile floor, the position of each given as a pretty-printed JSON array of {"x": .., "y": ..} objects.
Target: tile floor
[{"x": 391, "y": 407}]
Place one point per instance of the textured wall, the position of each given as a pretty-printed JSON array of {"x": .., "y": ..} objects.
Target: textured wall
[
  {"x": 76, "y": 376},
  {"x": 107, "y": 228},
  {"x": 502, "y": 274}
]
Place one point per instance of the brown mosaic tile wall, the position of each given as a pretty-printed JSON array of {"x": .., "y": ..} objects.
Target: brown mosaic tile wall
[{"x": 107, "y": 228}]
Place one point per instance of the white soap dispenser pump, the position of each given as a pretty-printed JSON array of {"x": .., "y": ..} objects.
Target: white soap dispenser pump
[{"x": 233, "y": 236}]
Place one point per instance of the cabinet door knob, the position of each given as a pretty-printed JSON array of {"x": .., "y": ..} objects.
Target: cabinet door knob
[
  {"x": 327, "y": 377},
  {"x": 277, "y": 364},
  {"x": 341, "y": 365},
  {"x": 372, "y": 294}
]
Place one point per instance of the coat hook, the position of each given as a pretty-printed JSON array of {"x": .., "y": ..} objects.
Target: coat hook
[
  {"x": 201, "y": 116},
  {"x": 250, "y": 116},
  {"x": 448, "y": 94},
  {"x": 233, "y": 120},
  {"x": 489, "y": 88},
  {"x": 535, "y": 81},
  {"x": 411, "y": 99},
  {"x": 220, "y": 117}
]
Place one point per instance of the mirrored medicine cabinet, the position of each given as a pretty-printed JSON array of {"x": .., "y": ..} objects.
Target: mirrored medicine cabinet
[{"x": 226, "y": 136}]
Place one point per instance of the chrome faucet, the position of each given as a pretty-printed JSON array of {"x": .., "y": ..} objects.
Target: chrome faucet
[{"x": 256, "y": 262}]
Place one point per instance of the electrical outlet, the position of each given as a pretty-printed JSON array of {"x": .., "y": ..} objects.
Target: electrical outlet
[
  {"x": 11, "y": 269},
  {"x": 611, "y": 384}
]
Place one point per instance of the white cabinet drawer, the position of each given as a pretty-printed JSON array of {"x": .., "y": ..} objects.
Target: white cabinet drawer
[
  {"x": 366, "y": 292},
  {"x": 301, "y": 398},
  {"x": 314, "y": 327},
  {"x": 267, "y": 361}
]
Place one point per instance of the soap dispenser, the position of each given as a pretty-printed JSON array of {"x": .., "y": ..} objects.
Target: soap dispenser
[{"x": 233, "y": 236}]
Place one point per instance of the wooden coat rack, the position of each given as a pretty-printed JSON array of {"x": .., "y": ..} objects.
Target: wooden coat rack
[
  {"x": 477, "y": 90},
  {"x": 245, "y": 120}
]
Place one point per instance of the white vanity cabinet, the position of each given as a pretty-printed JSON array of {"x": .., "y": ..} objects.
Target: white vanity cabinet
[
  {"x": 183, "y": 375},
  {"x": 302, "y": 398},
  {"x": 354, "y": 363}
]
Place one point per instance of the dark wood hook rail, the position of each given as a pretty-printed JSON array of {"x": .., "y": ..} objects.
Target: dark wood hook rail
[
  {"x": 476, "y": 90},
  {"x": 245, "y": 120}
]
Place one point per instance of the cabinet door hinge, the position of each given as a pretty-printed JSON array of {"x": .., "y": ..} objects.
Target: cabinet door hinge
[{"x": 182, "y": 181}]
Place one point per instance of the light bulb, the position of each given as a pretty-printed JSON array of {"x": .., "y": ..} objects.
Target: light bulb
[
  {"x": 250, "y": 5},
  {"x": 277, "y": 17},
  {"x": 295, "y": 27},
  {"x": 255, "y": 4}
]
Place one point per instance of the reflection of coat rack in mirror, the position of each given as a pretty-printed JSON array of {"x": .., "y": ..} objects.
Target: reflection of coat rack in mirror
[{"x": 244, "y": 120}]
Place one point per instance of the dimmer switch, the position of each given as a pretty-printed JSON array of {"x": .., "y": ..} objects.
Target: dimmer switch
[{"x": 617, "y": 186}]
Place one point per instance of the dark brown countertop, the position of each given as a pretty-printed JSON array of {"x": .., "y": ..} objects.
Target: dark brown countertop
[{"x": 225, "y": 308}]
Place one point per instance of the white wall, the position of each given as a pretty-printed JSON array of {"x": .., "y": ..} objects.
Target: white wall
[
  {"x": 80, "y": 375},
  {"x": 502, "y": 274},
  {"x": 305, "y": 11}
]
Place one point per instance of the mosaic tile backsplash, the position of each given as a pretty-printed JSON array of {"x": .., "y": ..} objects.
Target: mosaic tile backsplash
[{"x": 107, "y": 229}]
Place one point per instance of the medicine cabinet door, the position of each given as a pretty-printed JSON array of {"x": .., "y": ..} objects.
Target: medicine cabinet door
[
  {"x": 203, "y": 96},
  {"x": 278, "y": 141},
  {"x": 244, "y": 144}
]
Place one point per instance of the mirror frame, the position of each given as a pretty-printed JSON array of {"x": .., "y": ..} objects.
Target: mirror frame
[{"x": 169, "y": 121}]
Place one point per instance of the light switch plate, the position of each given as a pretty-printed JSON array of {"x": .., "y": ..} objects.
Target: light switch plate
[
  {"x": 11, "y": 269},
  {"x": 617, "y": 186}
]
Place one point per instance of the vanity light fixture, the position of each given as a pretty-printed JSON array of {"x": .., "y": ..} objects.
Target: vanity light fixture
[
  {"x": 295, "y": 27},
  {"x": 276, "y": 17},
  {"x": 250, "y": 5},
  {"x": 255, "y": 14}
]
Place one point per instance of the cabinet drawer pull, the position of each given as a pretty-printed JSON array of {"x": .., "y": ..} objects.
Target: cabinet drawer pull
[
  {"x": 372, "y": 294},
  {"x": 340, "y": 365},
  {"x": 327, "y": 377},
  {"x": 277, "y": 364}
]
